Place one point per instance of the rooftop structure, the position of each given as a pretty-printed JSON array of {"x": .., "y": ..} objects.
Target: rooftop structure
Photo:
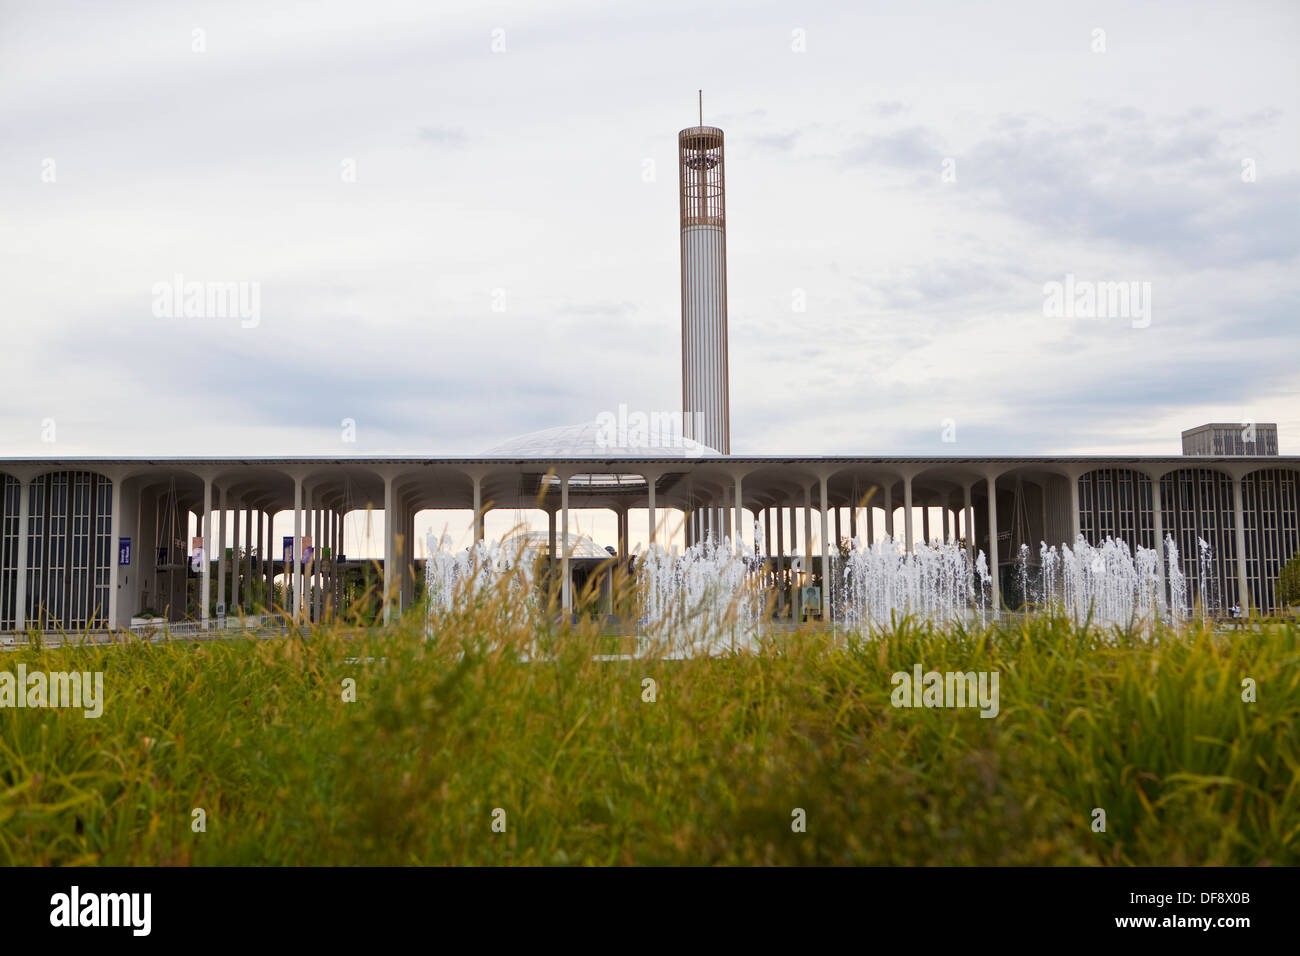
[{"x": 1228, "y": 438}]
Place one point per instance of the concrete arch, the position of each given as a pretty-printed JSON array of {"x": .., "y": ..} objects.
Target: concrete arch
[
  {"x": 1270, "y": 502},
  {"x": 71, "y": 524},
  {"x": 13, "y": 564}
]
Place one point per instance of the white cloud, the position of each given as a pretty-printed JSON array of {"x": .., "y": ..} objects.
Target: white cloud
[{"x": 517, "y": 178}]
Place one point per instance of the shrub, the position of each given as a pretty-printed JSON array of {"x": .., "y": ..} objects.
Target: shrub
[{"x": 1288, "y": 582}]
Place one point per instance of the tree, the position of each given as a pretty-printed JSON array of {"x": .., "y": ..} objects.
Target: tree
[{"x": 1288, "y": 582}]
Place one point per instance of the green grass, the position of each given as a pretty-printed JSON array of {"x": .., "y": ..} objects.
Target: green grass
[{"x": 444, "y": 731}]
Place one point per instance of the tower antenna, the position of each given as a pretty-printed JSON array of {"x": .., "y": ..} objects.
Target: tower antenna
[{"x": 701, "y": 107}]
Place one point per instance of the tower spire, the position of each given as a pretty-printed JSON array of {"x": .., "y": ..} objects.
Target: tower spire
[{"x": 701, "y": 107}]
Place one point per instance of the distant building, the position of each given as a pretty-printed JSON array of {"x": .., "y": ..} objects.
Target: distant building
[{"x": 1230, "y": 438}]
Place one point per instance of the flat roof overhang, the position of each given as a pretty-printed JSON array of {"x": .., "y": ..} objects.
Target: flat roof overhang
[{"x": 447, "y": 482}]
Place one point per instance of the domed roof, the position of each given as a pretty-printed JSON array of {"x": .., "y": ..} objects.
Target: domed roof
[
  {"x": 580, "y": 545},
  {"x": 606, "y": 437}
]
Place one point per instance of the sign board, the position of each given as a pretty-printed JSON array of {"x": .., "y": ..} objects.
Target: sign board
[
  {"x": 288, "y": 549},
  {"x": 196, "y": 554},
  {"x": 812, "y": 600},
  {"x": 123, "y": 550},
  {"x": 307, "y": 549}
]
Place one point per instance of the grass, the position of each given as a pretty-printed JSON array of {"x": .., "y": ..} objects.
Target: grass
[{"x": 445, "y": 731}]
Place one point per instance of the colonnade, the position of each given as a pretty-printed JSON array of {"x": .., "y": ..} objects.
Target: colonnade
[{"x": 990, "y": 505}]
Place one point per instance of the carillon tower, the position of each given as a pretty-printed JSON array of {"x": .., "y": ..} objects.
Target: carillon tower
[{"x": 705, "y": 413}]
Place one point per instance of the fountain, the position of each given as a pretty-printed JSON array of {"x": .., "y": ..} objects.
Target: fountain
[
  {"x": 706, "y": 600},
  {"x": 711, "y": 599},
  {"x": 456, "y": 578},
  {"x": 1111, "y": 585},
  {"x": 937, "y": 582},
  {"x": 1208, "y": 580}
]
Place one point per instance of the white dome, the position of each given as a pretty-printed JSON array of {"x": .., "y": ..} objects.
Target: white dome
[
  {"x": 580, "y": 546},
  {"x": 606, "y": 437}
]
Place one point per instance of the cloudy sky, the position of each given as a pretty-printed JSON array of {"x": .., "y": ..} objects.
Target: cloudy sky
[{"x": 461, "y": 221}]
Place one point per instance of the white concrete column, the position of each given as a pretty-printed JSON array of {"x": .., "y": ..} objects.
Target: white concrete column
[
  {"x": 114, "y": 568},
  {"x": 237, "y": 561},
  {"x": 319, "y": 542},
  {"x": 1042, "y": 497},
  {"x": 402, "y": 548},
  {"x": 969, "y": 508},
  {"x": 308, "y": 568},
  {"x": 650, "y": 502},
  {"x": 389, "y": 520},
  {"x": 1158, "y": 527},
  {"x": 409, "y": 551},
  {"x": 261, "y": 546},
  {"x": 205, "y": 571},
  {"x": 793, "y": 512},
  {"x": 807, "y": 532},
  {"x": 826, "y": 552},
  {"x": 889, "y": 510},
  {"x": 992, "y": 556},
  {"x": 24, "y": 519},
  {"x": 871, "y": 524},
  {"x": 269, "y": 568},
  {"x": 248, "y": 553},
  {"x": 317, "y": 567},
  {"x": 1239, "y": 526},
  {"x": 725, "y": 531},
  {"x": 1075, "y": 530},
  {"x": 223, "y": 498},
  {"x": 331, "y": 601},
  {"x": 550, "y": 566},
  {"x": 925, "y": 523},
  {"x": 399, "y": 555},
  {"x": 327, "y": 543},
  {"x": 478, "y": 509},
  {"x": 566, "y": 586},
  {"x": 780, "y": 558},
  {"x": 947, "y": 534},
  {"x": 739, "y": 540},
  {"x": 296, "y": 572},
  {"x": 907, "y": 513}
]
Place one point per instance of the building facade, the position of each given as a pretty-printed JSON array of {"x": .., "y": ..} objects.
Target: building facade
[
  {"x": 88, "y": 543},
  {"x": 1225, "y": 438}
]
